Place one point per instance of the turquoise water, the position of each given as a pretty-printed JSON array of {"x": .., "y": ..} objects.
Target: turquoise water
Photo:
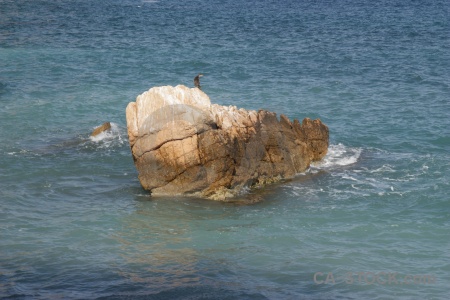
[{"x": 371, "y": 221}]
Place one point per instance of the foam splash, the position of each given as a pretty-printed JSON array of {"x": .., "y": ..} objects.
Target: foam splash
[
  {"x": 108, "y": 137},
  {"x": 16, "y": 153},
  {"x": 338, "y": 155}
]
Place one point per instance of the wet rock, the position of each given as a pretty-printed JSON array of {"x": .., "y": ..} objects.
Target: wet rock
[
  {"x": 184, "y": 145},
  {"x": 105, "y": 126}
]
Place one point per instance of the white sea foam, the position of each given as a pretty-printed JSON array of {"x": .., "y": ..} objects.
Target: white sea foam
[
  {"x": 19, "y": 152},
  {"x": 108, "y": 137},
  {"x": 384, "y": 169},
  {"x": 338, "y": 155}
]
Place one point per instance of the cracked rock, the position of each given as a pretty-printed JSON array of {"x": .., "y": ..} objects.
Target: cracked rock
[{"x": 184, "y": 145}]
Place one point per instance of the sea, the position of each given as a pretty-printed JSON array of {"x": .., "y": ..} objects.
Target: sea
[{"x": 369, "y": 221}]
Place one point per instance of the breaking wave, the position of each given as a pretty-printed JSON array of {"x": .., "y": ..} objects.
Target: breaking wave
[
  {"x": 338, "y": 156},
  {"x": 109, "y": 137}
]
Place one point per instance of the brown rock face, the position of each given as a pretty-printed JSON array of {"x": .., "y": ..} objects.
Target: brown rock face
[{"x": 183, "y": 145}]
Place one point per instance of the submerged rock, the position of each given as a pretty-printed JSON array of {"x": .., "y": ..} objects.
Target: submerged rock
[
  {"x": 105, "y": 126},
  {"x": 184, "y": 145}
]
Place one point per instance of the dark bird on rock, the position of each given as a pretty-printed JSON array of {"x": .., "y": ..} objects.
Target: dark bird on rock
[{"x": 197, "y": 81}]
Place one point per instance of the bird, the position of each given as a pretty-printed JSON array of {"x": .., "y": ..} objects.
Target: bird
[{"x": 197, "y": 81}]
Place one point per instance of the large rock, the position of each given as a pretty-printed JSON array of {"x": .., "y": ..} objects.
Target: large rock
[{"x": 183, "y": 145}]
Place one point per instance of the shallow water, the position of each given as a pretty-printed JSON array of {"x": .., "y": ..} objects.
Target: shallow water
[{"x": 372, "y": 217}]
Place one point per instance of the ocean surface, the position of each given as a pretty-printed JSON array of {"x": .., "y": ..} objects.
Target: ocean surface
[{"x": 370, "y": 221}]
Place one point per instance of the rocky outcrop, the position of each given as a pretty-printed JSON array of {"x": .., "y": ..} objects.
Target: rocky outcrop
[
  {"x": 184, "y": 145},
  {"x": 105, "y": 126}
]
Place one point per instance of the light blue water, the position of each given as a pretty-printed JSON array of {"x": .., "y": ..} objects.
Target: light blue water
[{"x": 75, "y": 223}]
